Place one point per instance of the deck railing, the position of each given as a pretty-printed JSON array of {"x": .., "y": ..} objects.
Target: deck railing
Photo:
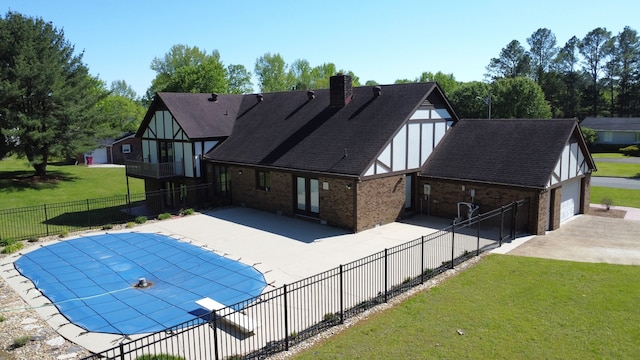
[{"x": 154, "y": 170}]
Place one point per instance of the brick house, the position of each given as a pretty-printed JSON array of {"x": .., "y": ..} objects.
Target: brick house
[
  {"x": 350, "y": 157},
  {"x": 490, "y": 163}
]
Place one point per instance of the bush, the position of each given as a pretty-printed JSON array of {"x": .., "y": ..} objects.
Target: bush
[
  {"x": 186, "y": 212},
  {"x": 140, "y": 219},
  {"x": 607, "y": 202},
  {"x": 11, "y": 248},
  {"x": 107, "y": 227},
  {"x": 21, "y": 341},
  {"x": 64, "y": 233},
  {"x": 130, "y": 224},
  {"x": 5, "y": 242},
  {"x": 631, "y": 150},
  {"x": 164, "y": 216},
  {"x": 2, "y": 318}
]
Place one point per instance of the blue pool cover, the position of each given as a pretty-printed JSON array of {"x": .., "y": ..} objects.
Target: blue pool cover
[{"x": 91, "y": 280}]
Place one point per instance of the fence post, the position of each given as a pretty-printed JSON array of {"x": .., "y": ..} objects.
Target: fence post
[
  {"x": 422, "y": 260},
  {"x": 286, "y": 318},
  {"x": 501, "y": 224},
  {"x": 478, "y": 235},
  {"x": 46, "y": 219},
  {"x": 453, "y": 243},
  {"x": 121, "y": 351},
  {"x": 341, "y": 296},
  {"x": 514, "y": 219},
  {"x": 215, "y": 334},
  {"x": 88, "y": 214},
  {"x": 386, "y": 289}
]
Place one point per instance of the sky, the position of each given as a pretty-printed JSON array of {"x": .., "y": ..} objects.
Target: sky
[{"x": 377, "y": 40}]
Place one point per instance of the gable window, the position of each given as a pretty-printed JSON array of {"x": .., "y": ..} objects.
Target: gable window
[
  {"x": 263, "y": 180},
  {"x": 126, "y": 148}
]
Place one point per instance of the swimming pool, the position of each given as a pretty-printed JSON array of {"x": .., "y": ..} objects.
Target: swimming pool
[{"x": 93, "y": 280}]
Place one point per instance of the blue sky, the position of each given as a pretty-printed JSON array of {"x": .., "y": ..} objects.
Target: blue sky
[{"x": 377, "y": 40}]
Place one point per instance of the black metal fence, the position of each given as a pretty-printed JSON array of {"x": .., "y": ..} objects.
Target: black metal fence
[
  {"x": 298, "y": 311},
  {"x": 55, "y": 219}
]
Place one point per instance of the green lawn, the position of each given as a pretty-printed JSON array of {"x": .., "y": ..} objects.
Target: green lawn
[
  {"x": 617, "y": 169},
  {"x": 607, "y": 156},
  {"x": 18, "y": 187},
  {"x": 620, "y": 197},
  {"x": 507, "y": 307}
]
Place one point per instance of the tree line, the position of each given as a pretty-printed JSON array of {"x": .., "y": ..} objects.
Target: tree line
[{"x": 51, "y": 106}]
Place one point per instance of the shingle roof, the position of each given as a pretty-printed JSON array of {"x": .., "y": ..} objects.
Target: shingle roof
[
  {"x": 611, "y": 124},
  {"x": 518, "y": 152},
  {"x": 287, "y": 130},
  {"x": 196, "y": 115}
]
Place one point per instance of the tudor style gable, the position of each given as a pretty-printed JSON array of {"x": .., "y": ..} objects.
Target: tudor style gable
[{"x": 416, "y": 139}]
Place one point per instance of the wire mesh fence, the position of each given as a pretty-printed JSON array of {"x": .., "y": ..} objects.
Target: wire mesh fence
[{"x": 298, "y": 311}]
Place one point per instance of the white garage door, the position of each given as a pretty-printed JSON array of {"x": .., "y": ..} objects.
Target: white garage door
[{"x": 570, "y": 203}]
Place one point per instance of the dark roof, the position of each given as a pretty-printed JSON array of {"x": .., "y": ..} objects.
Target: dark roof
[
  {"x": 518, "y": 152},
  {"x": 611, "y": 124},
  {"x": 196, "y": 115},
  {"x": 288, "y": 131}
]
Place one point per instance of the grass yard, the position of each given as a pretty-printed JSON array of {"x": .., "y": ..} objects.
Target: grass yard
[
  {"x": 18, "y": 187},
  {"x": 617, "y": 169},
  {"x": 597, "y": 156},
  {"x": 507, "y": 307},
  {"x": 620, "y": 197}
]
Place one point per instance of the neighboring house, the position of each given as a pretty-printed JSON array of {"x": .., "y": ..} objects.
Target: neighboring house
[
  {"x": 493, "y": 162},
  {"x": 110, "y": 151},
  {"x": 614, "y": 131},
  {"x": 349, "y": 157}
]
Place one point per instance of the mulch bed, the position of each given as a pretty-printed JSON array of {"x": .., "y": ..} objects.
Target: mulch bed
[{"x": 611, "y": 213}]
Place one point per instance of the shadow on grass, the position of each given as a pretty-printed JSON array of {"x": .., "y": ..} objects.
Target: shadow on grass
[
  {"x": 20, "y": 180},
  {"x": 636, "y": 176}
]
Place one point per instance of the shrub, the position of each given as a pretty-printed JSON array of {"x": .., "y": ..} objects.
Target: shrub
[
  {"x": 64, "y": 233},
  {"x": 130, "y": 224},
  {"x": 21, "y": 341},
  {"x": 140, "y": 219},
  {"x": 107, "y": 227},
  {"x": 607, "y": 202},
  {"x": 186, "y": 212},
  {"x": 631, "y": 150},
  {"x": 2, "y": 318},
  {"x": 330, "y": 317},
  {"x": 11, "y": 248},
  {"x": 164, "y": 216},
  {"x": 6, "y": 242}
]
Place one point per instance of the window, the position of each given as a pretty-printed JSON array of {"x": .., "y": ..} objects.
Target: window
[
  {"x": 126, "y": 149},
  {"x": 607, "y": 136},
  {"x": 263, "y": 180}
]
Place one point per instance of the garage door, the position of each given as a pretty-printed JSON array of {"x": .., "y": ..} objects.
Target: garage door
[{"x": 570, "y": 203}]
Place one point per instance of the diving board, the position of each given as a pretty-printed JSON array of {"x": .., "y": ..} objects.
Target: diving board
[{"x": 235, "y": 318}]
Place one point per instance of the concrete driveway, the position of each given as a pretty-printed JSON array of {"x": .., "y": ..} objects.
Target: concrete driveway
[{"x": 587, "y": 238}]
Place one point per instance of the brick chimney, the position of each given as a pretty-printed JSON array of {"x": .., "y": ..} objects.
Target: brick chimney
[{"x": 341, "y": 91}]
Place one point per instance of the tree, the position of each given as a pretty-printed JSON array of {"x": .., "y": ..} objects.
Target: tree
[
  {"x": 595, "y": 47},
  {"x": 518, "y": 98},
  {"x": 121, "y": 88},
  {"x": 566, "y": 64},
  {"x": 47, "y": 97},
  {"x": 627, "y": 56},
  {"x": 470, "y": 100},
  {"x": 272, "y": 74},
  {"x": 301, "y": 71},
  {"x": 239, "y": 79},
  {"x": 590, "y": 135},
  {"x": 188, "y": 69},
  {"x": 542, "y": 52},
  {"x": 447, "y": 82},
  {"x": 513, "y": 61}
]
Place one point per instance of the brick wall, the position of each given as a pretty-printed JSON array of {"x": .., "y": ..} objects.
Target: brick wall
[
  {"x": 445, "y": 196},
  {"x": 337, "y": 202},
  {"x": 135, "y": 154},
  {"x": 380, "y": 201},
  {"x": 279, "y": 197}
]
